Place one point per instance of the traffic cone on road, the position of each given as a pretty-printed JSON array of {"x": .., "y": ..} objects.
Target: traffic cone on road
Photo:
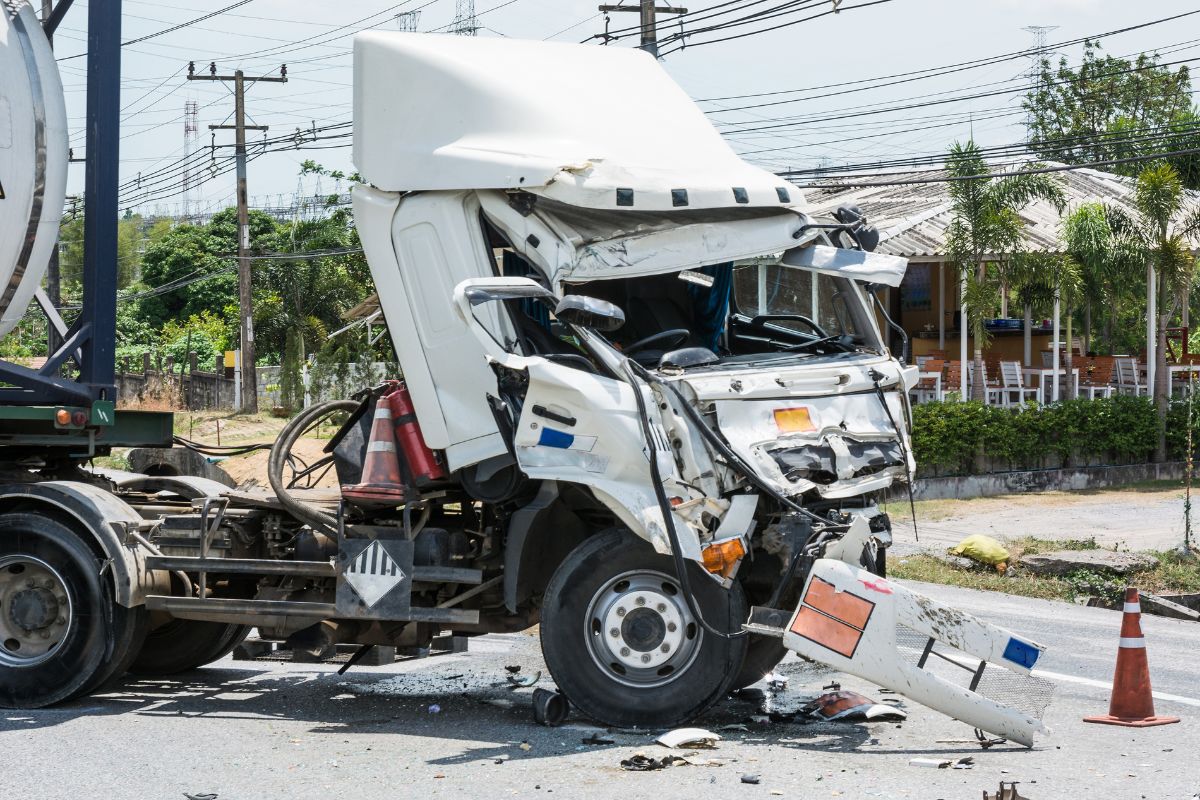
[
  {"x": 1132, "y": 703},
  {"x": 382, "y": 484}
]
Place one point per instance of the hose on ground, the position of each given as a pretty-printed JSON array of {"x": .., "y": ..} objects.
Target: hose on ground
[{"x": 305, "y": 512}]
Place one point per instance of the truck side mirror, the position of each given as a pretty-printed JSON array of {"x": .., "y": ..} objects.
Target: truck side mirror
[{"x": 589, "y": 312}]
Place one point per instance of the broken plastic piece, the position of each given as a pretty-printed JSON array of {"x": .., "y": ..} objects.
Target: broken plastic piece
[
  {"x": 965, "y": 762},
  {"x": 521, "y": 681},
  {"x": 688, "y": 737},
  {"x": 846, "y": 705}
]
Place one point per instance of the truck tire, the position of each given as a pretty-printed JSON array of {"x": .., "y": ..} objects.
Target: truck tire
[
  {"x": 185, "y": 644},
  {"x": 62, "y": 634},
  {"x": 620, "y": 640},
  {"x": 765, "y": 652}
]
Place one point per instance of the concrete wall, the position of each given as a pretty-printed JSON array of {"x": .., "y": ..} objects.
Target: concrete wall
[{"x": 1042, "y": 480}]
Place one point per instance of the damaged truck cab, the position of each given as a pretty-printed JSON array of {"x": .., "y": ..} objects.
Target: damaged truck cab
[{"x": 635, "y": 347}]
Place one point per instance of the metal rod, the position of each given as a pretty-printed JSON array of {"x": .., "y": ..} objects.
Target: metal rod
[
  {"x": 469, "y": 593},
  {"x": 244, "y": 566}
]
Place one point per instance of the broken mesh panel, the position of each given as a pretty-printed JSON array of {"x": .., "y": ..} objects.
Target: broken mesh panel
[{"x": 1025, "y": 693}]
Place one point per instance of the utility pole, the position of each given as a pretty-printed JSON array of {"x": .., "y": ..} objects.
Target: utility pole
[
  {"x": 245, "y": 299},
  {"x": 649, "y": 13}
]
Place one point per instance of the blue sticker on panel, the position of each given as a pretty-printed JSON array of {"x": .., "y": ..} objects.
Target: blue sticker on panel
[
  {"x": 1022, "y": 653},
  {"x": 553, "y": 438}
]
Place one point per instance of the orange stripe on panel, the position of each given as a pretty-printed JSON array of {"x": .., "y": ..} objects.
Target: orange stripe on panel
[
  {"x": 827, "y": 632},
  {"x": 849, "y": 608}
]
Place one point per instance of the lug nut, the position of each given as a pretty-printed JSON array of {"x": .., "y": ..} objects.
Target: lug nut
[
  {"x": 621, "y": 611},
  {"x": 625, "y": 651},
  {"x": 60, "y": 621},
  {"x": 615, "y": 632},
  {"x": 45, "y": 634},
  {"x": 672, "y": 627},
  {"x": 29, "y": 584},
  {"x": 641, "y": 601},
  {"x": 62, "y": 599},
  {"x": 666, "y": 648},
  {"x": 646, "y": 658},
  {"x": 662, "y": 607}
]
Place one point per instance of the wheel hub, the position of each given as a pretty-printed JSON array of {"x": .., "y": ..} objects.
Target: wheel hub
[
  {"x": 35, "y": 611},
  {"x": 642, "y": 632}
]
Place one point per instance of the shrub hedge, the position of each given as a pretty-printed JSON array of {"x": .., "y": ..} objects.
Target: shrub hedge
[{"x": 954, "y": 438}]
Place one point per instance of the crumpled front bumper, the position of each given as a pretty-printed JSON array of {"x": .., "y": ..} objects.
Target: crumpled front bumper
[{"x": 867, "y": 626}]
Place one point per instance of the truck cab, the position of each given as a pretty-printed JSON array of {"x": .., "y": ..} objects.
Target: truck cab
[{"x": 640, "y": 344}]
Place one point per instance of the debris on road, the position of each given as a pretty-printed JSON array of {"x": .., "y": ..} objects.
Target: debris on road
[
  {"x": 689, "y": 737},
  {"x": 640, "y": 762},
  {"x": 519, "y": 681},
  {"x": 597, "y": 739},
  {"x": 1007, "y": 791},
  {"x": 550, "y": 708},
  {"x": 435, "y": 709},
  {"x": 748, "y": 778},
  {"x": 845, "y": 705},
  {"x": 200, "y": 796},
  {"x": 966, "y": 762}
]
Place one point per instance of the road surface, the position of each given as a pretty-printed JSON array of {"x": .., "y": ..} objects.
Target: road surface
[{"x": 451, "y": 727}]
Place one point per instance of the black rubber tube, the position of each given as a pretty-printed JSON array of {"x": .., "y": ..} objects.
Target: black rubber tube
[{"x": 302, "y": 511}]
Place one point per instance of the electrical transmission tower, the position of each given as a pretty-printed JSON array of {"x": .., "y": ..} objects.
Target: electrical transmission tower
[
  {"x": 190, "y": 139},
  {"x": 407, "y": 21},
  {"x": 1038, "y": 54},
  {"x": 464, "y": 23}
]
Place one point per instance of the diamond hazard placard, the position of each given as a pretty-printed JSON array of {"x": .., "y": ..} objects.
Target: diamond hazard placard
[{"x": 375, "y": 577}]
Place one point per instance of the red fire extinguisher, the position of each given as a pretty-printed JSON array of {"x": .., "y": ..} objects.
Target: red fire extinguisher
[{"x": 422, "y": 462}]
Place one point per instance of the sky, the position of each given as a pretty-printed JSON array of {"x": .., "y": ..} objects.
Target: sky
[{"x": 881, "y": 39}]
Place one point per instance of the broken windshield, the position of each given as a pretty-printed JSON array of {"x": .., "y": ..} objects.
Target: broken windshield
[{"x": 776, "y": 308}]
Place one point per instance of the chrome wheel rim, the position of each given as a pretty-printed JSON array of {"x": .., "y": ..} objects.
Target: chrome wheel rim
[
  {"x": 640, "y": 631},
  {"x": 36, "y": 611}
]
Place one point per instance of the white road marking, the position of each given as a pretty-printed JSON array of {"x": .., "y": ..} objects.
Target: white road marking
[{"x": 1058, "y": 676}]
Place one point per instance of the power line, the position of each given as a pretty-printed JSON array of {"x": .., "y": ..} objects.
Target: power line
[
  {"x": 954, "y": 179},
  {"x": 171, "y": 29},
  {"x": 952, "y": 68}
]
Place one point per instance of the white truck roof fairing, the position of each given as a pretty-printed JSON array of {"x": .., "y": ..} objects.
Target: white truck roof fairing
[
  {"x": 33, "y": 158},
  {"x": 598, "y": 127}
]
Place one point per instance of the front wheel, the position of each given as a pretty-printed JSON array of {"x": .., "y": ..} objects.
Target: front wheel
[
  {"x": 62, "y": 634},
  {"x": 622, "y": 643}
]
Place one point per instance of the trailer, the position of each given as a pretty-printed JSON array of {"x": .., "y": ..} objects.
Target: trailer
[{"x": 646, "y": 403}]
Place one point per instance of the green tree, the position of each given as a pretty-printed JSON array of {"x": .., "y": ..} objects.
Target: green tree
[
  {"x": 984, "y": 232},
  {"x": 1111, "y": 108},
  {"x": 1159, "y": 231}
]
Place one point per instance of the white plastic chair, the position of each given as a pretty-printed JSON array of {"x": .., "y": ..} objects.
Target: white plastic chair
[
  {"x": 1014, "y": 387},
  {"x": 1129, "y": 377}
]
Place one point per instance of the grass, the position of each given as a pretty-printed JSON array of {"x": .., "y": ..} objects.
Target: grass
[{"x": 1172, "y": 572}]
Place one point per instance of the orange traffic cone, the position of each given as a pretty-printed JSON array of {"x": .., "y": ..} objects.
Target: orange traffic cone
[
  {"x": 1132, "y": 703},
  {"x": 382, "y": 483}
]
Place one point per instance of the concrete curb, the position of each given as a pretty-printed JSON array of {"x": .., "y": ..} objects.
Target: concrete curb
[{"x": 1072, "y": 479}]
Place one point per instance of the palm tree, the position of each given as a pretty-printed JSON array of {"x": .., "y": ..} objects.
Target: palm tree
[
  {"x": 1158, "y": 230},
  {"x": 985, "y": 230}
]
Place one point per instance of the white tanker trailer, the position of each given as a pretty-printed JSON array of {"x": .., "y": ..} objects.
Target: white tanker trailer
[
  {"x": 646, "y": 404},
  {"x": 33, "y": 159}
]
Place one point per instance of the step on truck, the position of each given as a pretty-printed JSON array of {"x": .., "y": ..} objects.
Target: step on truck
[{"x": 647, "y": 402}]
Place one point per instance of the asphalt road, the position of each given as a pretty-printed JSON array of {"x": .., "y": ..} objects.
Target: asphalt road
[{"x": 243, "y": 730}]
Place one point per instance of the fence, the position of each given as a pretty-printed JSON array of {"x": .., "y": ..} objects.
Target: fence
[{"x": 163, "y": 383}]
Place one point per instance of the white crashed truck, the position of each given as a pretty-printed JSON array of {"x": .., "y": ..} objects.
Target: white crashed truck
[{"x": 645, "y": 402}]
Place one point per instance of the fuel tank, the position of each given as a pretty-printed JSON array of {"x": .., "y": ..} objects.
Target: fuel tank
[{"x": 33, "y": 158}]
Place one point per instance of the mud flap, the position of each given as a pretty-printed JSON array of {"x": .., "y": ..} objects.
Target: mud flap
[{"x": 864, "y": 625}]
